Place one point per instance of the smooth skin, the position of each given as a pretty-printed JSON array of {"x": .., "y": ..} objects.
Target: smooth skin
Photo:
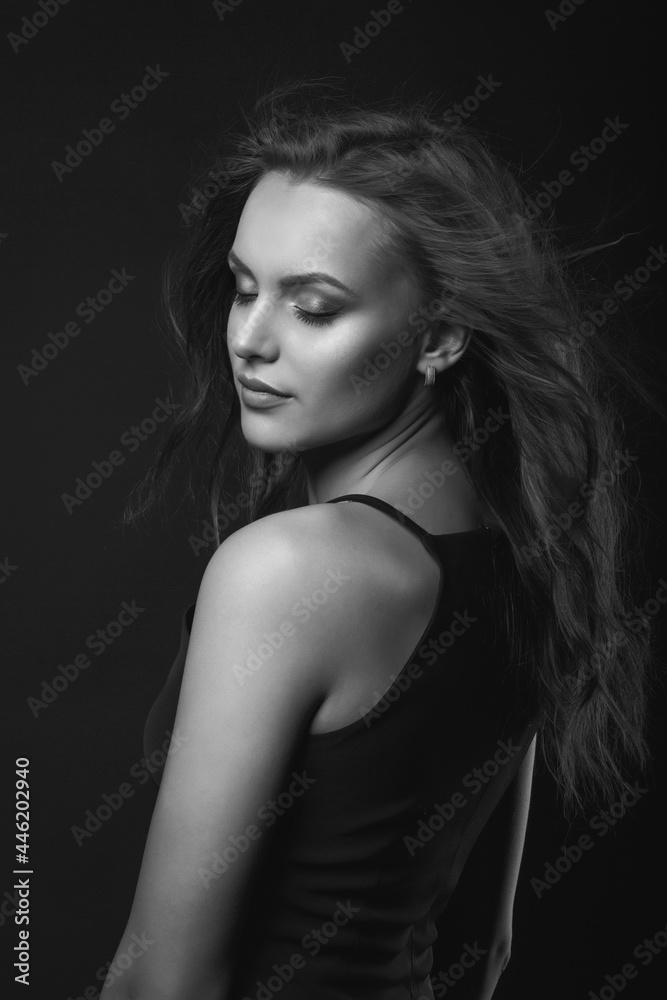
[{"x": 240, "y": 733}]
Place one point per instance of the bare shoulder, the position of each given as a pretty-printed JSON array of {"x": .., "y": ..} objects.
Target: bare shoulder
[
  {"x": 295, "y": 572},
  {"x": 350, "y": 586},
  {"x": 298, "y": 546},
  {"x": 345, "y": 568},
  {"x": 292, "y": 546}
]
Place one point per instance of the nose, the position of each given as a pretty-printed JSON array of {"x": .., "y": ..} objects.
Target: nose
[{"x": 249, "y": 329}]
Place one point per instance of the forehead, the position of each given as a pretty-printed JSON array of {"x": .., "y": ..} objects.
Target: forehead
[{"x": 301, "y": 226}]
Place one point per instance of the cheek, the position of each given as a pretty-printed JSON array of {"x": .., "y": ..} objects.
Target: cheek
[{"x": 359, "y": 373}]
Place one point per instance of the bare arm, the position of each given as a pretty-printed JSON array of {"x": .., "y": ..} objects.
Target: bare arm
[
  {"x": 479, "y": 914},
  {"x": 237, "y": 733}
]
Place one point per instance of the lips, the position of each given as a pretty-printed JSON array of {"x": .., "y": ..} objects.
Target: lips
[{"x": 259, "y": 386}]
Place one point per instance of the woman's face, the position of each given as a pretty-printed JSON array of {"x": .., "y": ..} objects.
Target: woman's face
[{"x": 315, "y": 314}]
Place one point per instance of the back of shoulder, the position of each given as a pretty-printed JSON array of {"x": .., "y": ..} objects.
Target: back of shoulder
[
  {"x": 289, "y": 547},
  {"x": 320, "y": 568},
  {"x": 276, "y": 579},
  {"x": 299, "y": 564}
]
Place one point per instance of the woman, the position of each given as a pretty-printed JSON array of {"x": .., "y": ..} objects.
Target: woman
[{"x": 429, "y": 573}]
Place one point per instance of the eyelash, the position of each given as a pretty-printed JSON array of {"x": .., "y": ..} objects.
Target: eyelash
[{"x": 312, "y": 319}]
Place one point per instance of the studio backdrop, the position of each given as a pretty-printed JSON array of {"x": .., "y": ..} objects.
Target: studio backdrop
[{"x": 107, "y": 110}]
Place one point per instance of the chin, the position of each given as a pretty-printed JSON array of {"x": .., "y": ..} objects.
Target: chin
[
  {"x": 265, "y": 437},
  {"x": 273, "y": 441}
]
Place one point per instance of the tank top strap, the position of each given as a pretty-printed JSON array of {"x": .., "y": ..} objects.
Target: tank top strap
[{"x": 387, "y": 508}]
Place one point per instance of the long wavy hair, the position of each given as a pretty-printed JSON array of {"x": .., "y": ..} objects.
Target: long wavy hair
[{"x": 556, "y": 477}]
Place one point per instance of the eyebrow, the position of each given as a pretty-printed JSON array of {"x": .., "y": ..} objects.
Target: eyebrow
[{"x": 296, "y": 279}]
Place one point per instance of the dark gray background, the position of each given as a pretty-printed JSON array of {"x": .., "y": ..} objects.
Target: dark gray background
[{"x": 119, "y": 209}]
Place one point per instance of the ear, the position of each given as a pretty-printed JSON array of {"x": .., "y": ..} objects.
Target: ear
[{"x": 444, "y": 344}]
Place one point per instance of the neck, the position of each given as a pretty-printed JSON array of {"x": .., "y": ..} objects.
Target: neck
[{"x": 394, "y": 463}]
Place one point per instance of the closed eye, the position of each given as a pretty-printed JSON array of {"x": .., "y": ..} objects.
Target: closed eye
[{"x": 311, "y": 318}]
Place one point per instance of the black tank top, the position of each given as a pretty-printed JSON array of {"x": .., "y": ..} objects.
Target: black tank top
[{"x": 384, "y": 811}]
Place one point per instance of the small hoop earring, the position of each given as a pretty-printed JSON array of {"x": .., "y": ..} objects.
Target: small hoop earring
[{"x": 429, "y": 375}]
